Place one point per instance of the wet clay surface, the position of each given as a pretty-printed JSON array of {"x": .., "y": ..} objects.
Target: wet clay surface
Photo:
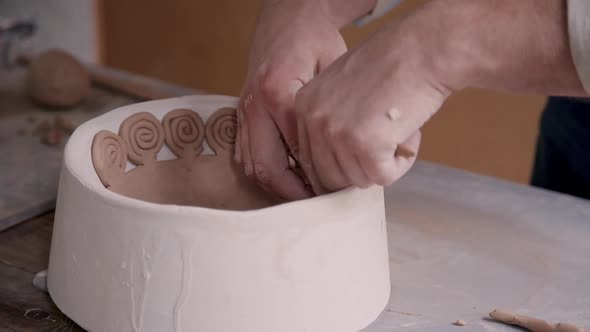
[{"x": 212, "y": 180}]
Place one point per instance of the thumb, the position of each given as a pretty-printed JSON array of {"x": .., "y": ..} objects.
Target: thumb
[
  {"x": 285, "y": 117},
  {"x": 331, "y": 54}
]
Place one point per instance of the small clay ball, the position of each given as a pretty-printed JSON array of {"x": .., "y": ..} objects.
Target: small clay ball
[{"x": 57, "y": 79}]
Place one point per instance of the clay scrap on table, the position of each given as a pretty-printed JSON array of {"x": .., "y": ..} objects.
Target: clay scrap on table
[
  {"x": 532, "y": 323},
  {"x": 53, "y": 133},
  {"x": 212, "y": 180}
]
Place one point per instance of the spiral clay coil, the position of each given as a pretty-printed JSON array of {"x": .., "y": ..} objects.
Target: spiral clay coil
[
  {"x": 144, "y": 136},
  {"x": 185, "y": 132},
  {"x": 222, "y": 130},
  {"x": 109, "y": 156}
]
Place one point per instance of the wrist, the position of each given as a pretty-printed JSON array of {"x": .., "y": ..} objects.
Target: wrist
[
  {"x": 510, "y": 46},
  {"x": 441, "y": 40}
]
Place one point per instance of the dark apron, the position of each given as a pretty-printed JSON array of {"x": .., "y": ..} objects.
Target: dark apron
[{"x": 562, "y": 161}]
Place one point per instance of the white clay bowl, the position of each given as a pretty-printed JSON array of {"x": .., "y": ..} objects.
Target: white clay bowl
[{"x": 121, "y": 264}]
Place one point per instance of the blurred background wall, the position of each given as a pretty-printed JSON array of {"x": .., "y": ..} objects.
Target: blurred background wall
[
  {"x": 67, "y": 24},
  {"x": 204, "y": 44}
]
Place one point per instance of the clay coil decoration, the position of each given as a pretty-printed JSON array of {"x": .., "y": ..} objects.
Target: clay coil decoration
[
  {"x": 109, "y": 156},
  {"x": 144, "y": 136},
  {"x": 185, "y": 132},
  {"x": 222, "y": 130}
]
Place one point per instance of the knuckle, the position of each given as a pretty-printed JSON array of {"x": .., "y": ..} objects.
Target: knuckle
[
  {"x": 318, "y": 119},
  {"x": 355, "y": 138},
  {"x": 269, "y": 85},
  {"x": 336, "y": 132},
  {"x": 383, "y": 173},
  {"x": 385, "y": 179},
  {"x": 333, "y": 132}
]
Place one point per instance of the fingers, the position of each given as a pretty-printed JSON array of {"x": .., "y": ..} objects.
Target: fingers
[
  {"x": 351, "y": 166},
  {"x": 326, "y": 164},
  {"x": 264, "y": 156},
  {"x": 387, "y": 169},
  {"x": 329, "y": 55},
  {"x": 242, "y": 126},
  {"x": 337, "y": 152},
  {"x": 243, "y": 153},
  {"x": 283, "y": 112},
  {"x": 304, "y": 157},
  {"x": 331, "y": 163}
]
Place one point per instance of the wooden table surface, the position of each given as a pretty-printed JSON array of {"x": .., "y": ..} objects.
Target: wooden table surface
[{"x": 24, "y": 251}]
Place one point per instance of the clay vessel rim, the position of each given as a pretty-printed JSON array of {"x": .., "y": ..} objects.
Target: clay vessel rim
[{"x": 84, "y": 134}]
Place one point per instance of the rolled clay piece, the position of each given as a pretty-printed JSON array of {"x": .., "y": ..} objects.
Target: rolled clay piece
[
  {"x": 57, "y": 79},
  {"x": 532, "y": 323},
  {"x": 109, "y": 156},
  {"x": 144, "y": 136},
  {"x": 185, "y": 131},
  {"x": 403, "y": 151},
  {"x": 221, "y": 130}
]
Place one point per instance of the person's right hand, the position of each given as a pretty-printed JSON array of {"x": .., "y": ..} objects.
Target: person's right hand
[{"x": 293, "y": 41}]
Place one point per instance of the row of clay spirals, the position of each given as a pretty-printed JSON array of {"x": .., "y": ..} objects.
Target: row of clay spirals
[{"x": 142, "y": 135}]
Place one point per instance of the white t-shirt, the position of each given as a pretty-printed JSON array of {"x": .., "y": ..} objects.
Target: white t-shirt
[
  {"x": 578, "y": 27},
  {"x": 578, "y": 13}
]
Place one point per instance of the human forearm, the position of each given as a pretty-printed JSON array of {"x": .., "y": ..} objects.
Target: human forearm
[
  {"x": 514, "y": 46},
  {"x": 354, "y": 115}
]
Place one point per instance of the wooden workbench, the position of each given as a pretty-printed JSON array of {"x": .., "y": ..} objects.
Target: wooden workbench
[
  {"x": 460, "y": 245},
  {"x": 24, "y": 251}
]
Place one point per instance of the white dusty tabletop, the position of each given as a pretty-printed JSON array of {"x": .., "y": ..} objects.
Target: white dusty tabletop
[{"x": 462, "y": 245}]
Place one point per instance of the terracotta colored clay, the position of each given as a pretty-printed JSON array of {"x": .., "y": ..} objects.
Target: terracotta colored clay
[
  {"x": 42, "y": 127},
  {"x": 144, "y": 136},
  {"x": 53, "y": 133},
  {"x": 53, "y": 136},
  {"x": 532, "y": 323},
  {"x": 403, "y": 151},
  {"x": 213, "y": 181},
  {"x": 57, "y": 79},
  {"x": 109, "y": 156},
  {"x": 63, "y": 124}
]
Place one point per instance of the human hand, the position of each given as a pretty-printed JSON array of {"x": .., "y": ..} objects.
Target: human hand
[
  {"x": 353, "y": 116},
  {"x": 293, "y": 41}
]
